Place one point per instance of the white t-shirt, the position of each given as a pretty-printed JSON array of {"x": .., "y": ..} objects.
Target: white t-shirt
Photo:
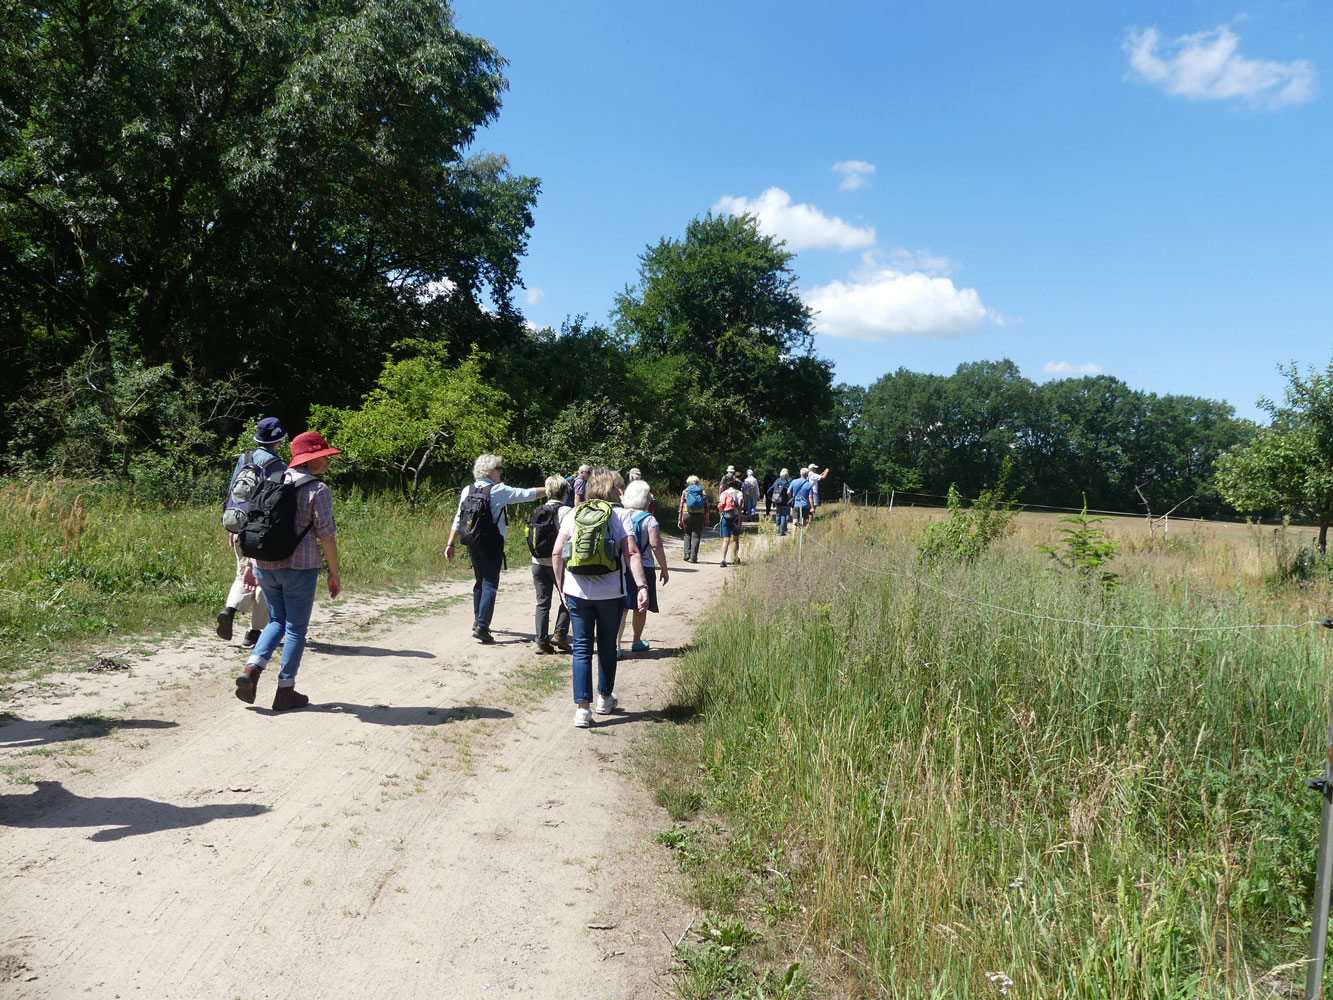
[
  {"x": 627, "y": 515},
  {"x": 602, "y": 586}
]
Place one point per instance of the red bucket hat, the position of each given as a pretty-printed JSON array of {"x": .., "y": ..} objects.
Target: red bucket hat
[{"x": 310, "y": 445}]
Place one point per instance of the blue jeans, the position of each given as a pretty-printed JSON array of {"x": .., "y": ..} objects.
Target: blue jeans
[
  {"x": 751, "y": 505},
  {"x": 486, "y": 563},
  {"x": 586, "y": 618},
  {"x": 290, "y": 594},
  {"x": 783, "y": 514}
]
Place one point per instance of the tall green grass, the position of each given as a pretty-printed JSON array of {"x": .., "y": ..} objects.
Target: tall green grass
[
  {"x": 955, "y": 791},
  {"x": 87, "y": 568}
]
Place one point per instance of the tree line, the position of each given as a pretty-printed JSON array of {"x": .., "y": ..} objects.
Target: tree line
[{"x": 212, "y": 210}]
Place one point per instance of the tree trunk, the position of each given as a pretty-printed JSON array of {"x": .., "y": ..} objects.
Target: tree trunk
[{"x": 1323, "y": 537}]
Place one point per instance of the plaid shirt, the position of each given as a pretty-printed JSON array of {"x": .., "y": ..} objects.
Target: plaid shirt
[{"x": 314, "y": 506}]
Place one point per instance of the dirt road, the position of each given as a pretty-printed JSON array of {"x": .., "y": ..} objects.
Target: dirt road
[{"x": 431, "y": 826}]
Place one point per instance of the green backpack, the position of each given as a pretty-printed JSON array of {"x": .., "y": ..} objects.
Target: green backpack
[{"x": 592, "y": 551}]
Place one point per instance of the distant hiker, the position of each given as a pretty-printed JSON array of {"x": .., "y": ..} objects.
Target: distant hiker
[
  {"x": 779, "y": 494},
  {"x": 578, "y": 485},
  {"x": 481, "y": 525},
  {"x": 800, "y": 498},
  {"x": 296, "y": 515},
  {"x": 543, "y": 527},
  {"x": 815, "y": 477},
  {"x": 692, "y": 517},
  {"x": 589, "y": 558},
  {"x": 635, "y": 476},
  {"x": 750, "y": 487},
  {"x": 643, "y": 526},
  {"x": 730, "y": 504},
  {"x": 729, "y": 474},
  {"x": 766, "y": 488},
  {"x": 252, "y": 468}
]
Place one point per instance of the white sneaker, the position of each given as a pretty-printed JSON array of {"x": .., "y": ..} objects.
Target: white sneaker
[
  {"x": 607, "y": 705},
  {"x": 582, "y": 718}
]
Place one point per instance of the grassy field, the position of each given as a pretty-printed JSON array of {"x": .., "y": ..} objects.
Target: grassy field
[
  {"x": 86, "y": 570},
  {"x": 939, "y": 797}
]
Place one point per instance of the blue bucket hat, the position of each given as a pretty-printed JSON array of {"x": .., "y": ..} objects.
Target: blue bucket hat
[{"x": 269, "y": 431}]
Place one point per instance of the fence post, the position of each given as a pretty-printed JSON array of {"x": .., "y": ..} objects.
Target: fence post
[
  {"x": 1314, "y": 971},
  {"x": 892, "y": 494}
]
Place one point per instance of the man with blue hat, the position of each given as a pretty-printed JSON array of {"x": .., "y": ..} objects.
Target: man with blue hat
[{"x": 245, "y": 593}]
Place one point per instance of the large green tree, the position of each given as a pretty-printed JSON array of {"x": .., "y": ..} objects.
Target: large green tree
[
  {"x": 279, "y": 189},
  {"x": 1289, "y": 464},
  {"x": 724, "y": 300}
]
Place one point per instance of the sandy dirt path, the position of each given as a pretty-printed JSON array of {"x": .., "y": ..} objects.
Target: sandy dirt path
[{"x": 432, "y": 826}]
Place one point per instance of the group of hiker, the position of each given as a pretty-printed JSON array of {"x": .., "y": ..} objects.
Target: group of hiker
[{"x": 594, "y": 540}]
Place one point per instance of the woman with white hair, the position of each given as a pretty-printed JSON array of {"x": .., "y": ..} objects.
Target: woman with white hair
[
  {"x": 640, "y": 523},
  {"x": 692, "y": 517},
  {"x": 595, "y": 595},
  {"x": 482, "y": 523}
]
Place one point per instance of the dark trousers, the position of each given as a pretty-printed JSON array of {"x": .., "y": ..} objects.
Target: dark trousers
[
  {"x": 486, "y": 563},
  {"x": 543, "y": 581},
  {"x": 694, "y": 533}
]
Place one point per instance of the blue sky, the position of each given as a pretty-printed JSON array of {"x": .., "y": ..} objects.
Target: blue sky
[{"x": 1129, "y": 188}]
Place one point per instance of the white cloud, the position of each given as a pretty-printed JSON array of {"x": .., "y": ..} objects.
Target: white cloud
[
  {"x": 854, "y": 174},
  {"x": 1206, "y": 66},
  {"x": 535, "y": 295},
  {"x": 1063, "y": 369},
  {"x": 802, "y": 227},
  {"x": 884, "y": 303}
]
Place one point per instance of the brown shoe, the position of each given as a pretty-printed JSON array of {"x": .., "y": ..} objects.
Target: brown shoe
[
  {"x": 287, "y": 698},
  {"x": 248, "y": 683},
  {"x": 562, "y": 643}
]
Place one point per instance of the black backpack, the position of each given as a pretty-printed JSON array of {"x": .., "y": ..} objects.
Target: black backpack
[
  {"x": 543, "y": 527},
  {"x": 781, "y": 495},
  {"x": 270, "y": 522},
  {"x": 476, "y": 525}
]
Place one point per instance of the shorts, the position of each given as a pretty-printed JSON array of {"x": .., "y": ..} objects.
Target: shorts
[
  {"x": 632, "y": 589},
  {"x": 729, "y": 527}
]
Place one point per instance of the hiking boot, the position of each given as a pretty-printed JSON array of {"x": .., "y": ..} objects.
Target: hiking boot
[
  {"x": 606, "y": 704},
  {"x": 483, "y": 635},
  {"x": 562, "y": 642},
  {"x": 287, "y": 698},
  {"x": 248, "y": 683},
  {"x": 251, "y": 637},
  {"x": 545, "y": 647},
  {"x": 224, "y": 622}
]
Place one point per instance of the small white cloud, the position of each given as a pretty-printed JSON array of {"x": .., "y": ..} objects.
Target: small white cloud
[
  {"x": 915, "y": 260},
  {"x": 1207, "y": 66},
  {"x": 1063, "y": 369},
  {"x": 891, "y": 303},
  {"x": 535, "y": 295},
  {"x": 801, "y": 227},
  {"x": 854, "y": 174}
]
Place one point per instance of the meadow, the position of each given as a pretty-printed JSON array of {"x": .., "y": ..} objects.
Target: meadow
[{"x": 920, "y": 775}]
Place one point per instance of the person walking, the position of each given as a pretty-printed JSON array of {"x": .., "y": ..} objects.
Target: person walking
[
  {"x": 578, "y": 485},
  {"x": 289, "y": 584},
  {"x": 245, "y": 593},
  {"x": 643, "y": 526},
  {"x": 729, "y": 505},
  {"x": 815, "y": 477},
  {"x": 543, "y": 527},
  {"x": 592, "y": 586},
  {"x": 636, "y": 476},
  {"x": 766, "y": 488},
  {"x": 482, "y": 524},
  {"x": 800, "y": 498},
  {"x": 779, "y": 494},
  {"x": 692, "y": 517},
  {"x": 750, "y": 488}
]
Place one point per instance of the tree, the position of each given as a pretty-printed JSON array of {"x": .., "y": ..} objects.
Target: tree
[
  {"x": 422, "y": 414},
  {"x": 275, "y": 189},
  {"x": 724, "y": 300},
  {"x": 1289, "y": 464}
]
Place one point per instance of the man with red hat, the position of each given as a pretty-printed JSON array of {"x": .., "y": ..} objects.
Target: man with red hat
[{"x": 289, "y": 584}]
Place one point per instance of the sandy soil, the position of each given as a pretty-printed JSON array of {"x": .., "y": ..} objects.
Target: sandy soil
[{"x": 431, "y": 826}]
